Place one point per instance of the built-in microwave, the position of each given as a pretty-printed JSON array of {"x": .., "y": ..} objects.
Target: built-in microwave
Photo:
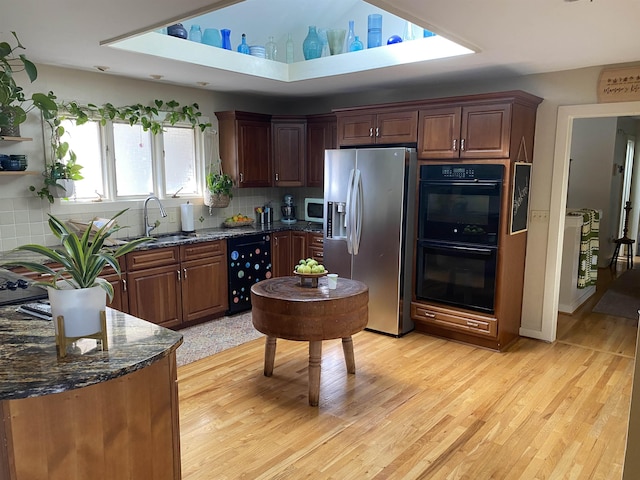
[{"x": 314, "y": 210}]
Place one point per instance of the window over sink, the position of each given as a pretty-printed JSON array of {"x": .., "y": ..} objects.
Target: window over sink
[{"x": 123, "y": 162}]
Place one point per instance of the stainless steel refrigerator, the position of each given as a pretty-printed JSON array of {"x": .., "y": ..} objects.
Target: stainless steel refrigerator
[{"x": 369, "y": 204}]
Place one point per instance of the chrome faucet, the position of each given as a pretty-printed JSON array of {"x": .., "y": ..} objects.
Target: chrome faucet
[{"x": 148, "y": 228}]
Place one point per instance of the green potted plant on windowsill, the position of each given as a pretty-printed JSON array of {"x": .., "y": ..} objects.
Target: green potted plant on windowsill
[
  {"x": 76, "y": 290},
  {"x": 14, "y": 104}
]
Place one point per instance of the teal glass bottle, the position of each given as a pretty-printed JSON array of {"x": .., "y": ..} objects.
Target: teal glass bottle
[
  {"x": 311, "y": 46},
  {"x": 243, "y": 47},
  {"x": 356, "y": 44}
]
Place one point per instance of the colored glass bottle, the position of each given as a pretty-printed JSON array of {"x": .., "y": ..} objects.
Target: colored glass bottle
[
  {"x": 351, "y": 36},
  {"x": 374, "y": 30},
  {"x": 356, "y": 45},
  {"x": 271, "y": 49},
  {"x": 243, "y": 47},
  {"x": 195, "y": 34},
  {"x": 226, "y": 38},
  {"x": 311, "y": 46},
  {"x": 289, "y": 49}
]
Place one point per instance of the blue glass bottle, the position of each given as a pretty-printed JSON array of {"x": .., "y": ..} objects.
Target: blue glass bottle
[
  {"x": 311, "y": 46},
  {"x": 226, "y": 38},
  {"x": 356, "y": 45},
  {"x": 195, "y": 34},
  {"x": 351, "y": 36},
  {"x": 374, "y": 31},
  {"x": 243, "y": 47}
]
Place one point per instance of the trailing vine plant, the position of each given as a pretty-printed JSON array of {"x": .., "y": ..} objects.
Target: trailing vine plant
[{"x": 63, "y": 161}]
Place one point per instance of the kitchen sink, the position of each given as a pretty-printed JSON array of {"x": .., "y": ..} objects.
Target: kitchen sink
[{"x": 173, "y": 237}]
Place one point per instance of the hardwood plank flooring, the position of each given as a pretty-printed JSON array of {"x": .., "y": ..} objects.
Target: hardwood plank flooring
[{"x": 418, "y": 407}]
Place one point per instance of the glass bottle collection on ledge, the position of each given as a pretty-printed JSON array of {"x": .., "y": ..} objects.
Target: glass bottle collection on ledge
[{"x": 318, "y": 42}]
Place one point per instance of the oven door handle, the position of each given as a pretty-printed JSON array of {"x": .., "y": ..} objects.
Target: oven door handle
[
  {"x": 459, "y": 248},
  {"x": 461, "y": 183}
]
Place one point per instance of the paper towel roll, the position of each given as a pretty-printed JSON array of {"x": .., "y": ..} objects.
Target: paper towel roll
[{"x": 186, "y": 216}]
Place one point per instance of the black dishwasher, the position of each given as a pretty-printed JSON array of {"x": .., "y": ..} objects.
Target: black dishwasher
[{"x": 248, "y": 262}]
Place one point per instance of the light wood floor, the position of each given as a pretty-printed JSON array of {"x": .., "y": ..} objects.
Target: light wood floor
[{"x": 417, "y": 408}]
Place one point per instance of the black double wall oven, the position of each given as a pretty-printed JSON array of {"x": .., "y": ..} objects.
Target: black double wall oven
[{"x": 458, "y": 234}]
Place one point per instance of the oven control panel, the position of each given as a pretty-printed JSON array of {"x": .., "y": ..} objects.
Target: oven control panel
[{"x": 450, "y": 171}]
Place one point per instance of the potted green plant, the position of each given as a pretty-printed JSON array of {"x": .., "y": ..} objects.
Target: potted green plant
[
  {"x": 61, "y": 169},
  {"x": 219, "y": 187},
  {"x": 76, "y": 290},
  {"x": 14, "y": 104}
]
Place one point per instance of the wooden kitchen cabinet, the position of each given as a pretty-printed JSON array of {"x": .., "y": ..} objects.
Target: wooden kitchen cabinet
[
  {"x": 287, "y": 248},
  {"x": 204, "y": 280},
  {"x": 289, "y": 150},
  {"x": 322, "y": 132},
  {"x": 176, "y": 286},
  {"x": 245, "y": 148},
  {"x": 371, "y": 127},
  {"x": 315, "y": 246},
  {"x": 475, "y": 131}
]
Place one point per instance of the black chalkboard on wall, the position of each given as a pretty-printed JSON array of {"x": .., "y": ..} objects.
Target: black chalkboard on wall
[{"x": 520, "y": 197}]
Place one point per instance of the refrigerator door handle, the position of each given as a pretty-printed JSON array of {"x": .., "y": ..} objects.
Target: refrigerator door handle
[
  {"x": 357, "y": 211},
  {"x": 347, "y": 214}
]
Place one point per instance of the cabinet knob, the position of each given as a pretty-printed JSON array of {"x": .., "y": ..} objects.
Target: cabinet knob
[
  {"x": 277, "y": 178},
  {"x": 371, "y": 132},
  {"x": 124, "y": 285},
  {"x": 462, "y": 145},
  {"x": 241, "y": 178},
  {"x": 455, "y": 144},
  {"x": 377, "y": 132},
  {"x": 184, "y": 271},
  {"x": 179, "y": 275}
]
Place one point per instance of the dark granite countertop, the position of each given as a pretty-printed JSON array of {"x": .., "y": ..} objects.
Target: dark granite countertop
[
  {"x": 204, "y": 235},
  {"x": 30, "y": 367}
]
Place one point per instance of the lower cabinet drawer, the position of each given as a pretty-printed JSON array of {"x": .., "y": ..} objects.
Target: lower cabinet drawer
[{"x": 476, "y": 324}]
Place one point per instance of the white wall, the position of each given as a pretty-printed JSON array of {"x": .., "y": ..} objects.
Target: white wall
[{"x": 592, "y": 173}]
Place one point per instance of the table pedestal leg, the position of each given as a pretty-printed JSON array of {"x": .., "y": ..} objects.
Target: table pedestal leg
[
  {"x": 269, "y": 355},
  {"x": 315, "y": 361},
  {"x": 347, "y": 348}
]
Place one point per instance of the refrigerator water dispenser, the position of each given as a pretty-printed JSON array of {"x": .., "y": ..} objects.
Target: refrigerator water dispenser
[{"x": 336, "y": 220}]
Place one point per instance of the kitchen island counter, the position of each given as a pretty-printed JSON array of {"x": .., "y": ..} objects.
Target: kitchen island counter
[{"x": 92, "y": 414}]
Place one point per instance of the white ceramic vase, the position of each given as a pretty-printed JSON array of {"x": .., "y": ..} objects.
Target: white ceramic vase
[{"x": 80, "y": 308}]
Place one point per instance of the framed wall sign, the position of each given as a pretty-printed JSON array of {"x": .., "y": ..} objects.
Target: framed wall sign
[{"x": 520, "y": 197}]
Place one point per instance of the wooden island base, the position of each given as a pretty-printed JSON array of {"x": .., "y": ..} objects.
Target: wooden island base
[
  {"x": 127, "y": 427},
  {"x": 282, "y": 308}
]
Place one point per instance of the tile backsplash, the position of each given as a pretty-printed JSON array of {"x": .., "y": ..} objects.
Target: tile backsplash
[{"x": 24, "y": 220}]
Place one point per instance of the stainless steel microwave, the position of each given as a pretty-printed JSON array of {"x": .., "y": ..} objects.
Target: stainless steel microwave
[{"x": 314, "y": 210}]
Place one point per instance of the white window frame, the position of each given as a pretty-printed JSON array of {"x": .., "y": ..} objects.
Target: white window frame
[{"x": 111, "y": 203}]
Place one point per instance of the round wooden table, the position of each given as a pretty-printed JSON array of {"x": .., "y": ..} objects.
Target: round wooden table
[{"x": 283, "y": 308}]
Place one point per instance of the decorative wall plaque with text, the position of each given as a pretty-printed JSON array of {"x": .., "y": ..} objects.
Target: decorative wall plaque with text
[{"x": 619, "y": 85}]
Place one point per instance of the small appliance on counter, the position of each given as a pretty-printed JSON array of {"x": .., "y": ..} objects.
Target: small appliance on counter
[{"x": 288, "y": 210}]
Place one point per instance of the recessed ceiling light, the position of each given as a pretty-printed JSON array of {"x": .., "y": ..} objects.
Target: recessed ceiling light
[
  {"x": 102, "y": 68},
  {"x": 202, "y": 84},
  {"x": 156, "y": 77}
]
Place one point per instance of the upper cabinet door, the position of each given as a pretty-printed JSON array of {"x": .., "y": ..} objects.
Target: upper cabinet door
[
  {"x": 396, "y": 127},
  {"x": 356, "y": 129},
  {"x": 321, "y": 135},
  {"x": 254, "y": 153},
  {"x": 289, "y": 150},
  {"x": 439, "y": 132},
  {"x": 245, "y": 148},
  {"x": 378, "y": 128},
  {"x": 475, "y": 131},
  {"x": 486, "y": 130}
]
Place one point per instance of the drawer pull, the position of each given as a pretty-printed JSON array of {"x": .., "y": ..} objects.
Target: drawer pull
[
  {"x": 124, "y": 285},
  {"x": 473, "y": 324},
  {"x": 184, "y": 271},
  {"x": 429, "y": 315},
  {"x": 319, "y": 254}
]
